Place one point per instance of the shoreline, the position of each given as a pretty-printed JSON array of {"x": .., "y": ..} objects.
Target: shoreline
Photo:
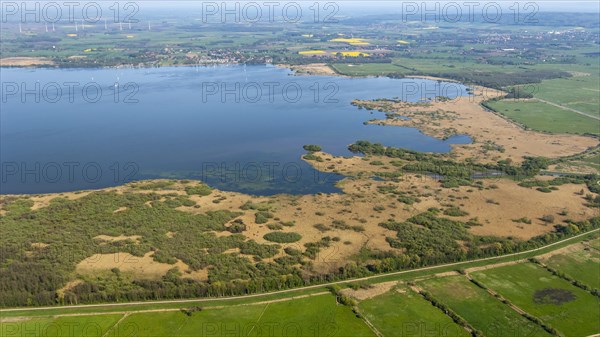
[{"x": 295, "y": 69}]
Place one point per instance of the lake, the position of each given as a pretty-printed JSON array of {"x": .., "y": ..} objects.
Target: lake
[{"x": 238, "y": 128}]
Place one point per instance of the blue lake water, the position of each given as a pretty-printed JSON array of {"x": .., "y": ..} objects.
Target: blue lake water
[{"x": 239, "y": 128}]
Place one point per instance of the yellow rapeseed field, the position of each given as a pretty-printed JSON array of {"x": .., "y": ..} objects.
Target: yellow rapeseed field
[
  {"x": 311, "y": 52},
  {"x": 352, "y": 41},
  {"x": 354, "y": 53}
]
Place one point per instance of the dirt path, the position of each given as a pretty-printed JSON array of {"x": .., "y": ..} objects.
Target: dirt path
[
  {"x": 369, "y": 324},
  {"x": 259, "y": 318},
  {"x": 115, "y": 325},
  {"x": 567, "y": 108},
  {"x": 494, "y": 265},
  {"x": 224, "y": 299},
  {"x": 127, "y": 313}
]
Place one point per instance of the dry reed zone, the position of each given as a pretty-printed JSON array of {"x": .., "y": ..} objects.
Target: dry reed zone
[
  {"x": 142, "y": 267},
  {"x": 495, "y": 206},
  {"x": 25, "y": 61},
  {"x": 373, "y": 290},
  {"x": 108, "y": 238},
  {"x": 310, "y": 69},
  {"x": 490, "y": 132}
]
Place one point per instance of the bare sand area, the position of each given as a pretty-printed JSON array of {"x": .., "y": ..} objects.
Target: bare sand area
[{"x": 25, "y": 61}]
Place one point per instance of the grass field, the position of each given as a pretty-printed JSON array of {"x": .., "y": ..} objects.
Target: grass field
[
  {"x": 544, "y": 117},
  {"x": 480, "y": 309},
  {"x": 580, "y": 92},
  {"x": 580, "y": 263},
  {"x": 563, "y": 306},
  {"x": 89, "y": 326},
  {"x": 368, "y": 69},
  {"x": 411, "y": 315},
  {"x": 312, "y": 316}
]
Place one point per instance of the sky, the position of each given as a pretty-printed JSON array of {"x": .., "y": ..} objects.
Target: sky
[{"x": 374, "y": 7}]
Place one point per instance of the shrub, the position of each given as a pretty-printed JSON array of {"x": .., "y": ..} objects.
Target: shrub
[
  {"x": 454, "y": 211},
  {"x": 201, "y": 190},
  {"x": 188, "y": 202},
  {"x": 312, "y": 148},
  {"x": 262, "y": 217},
  {"x": 544, "y": 189},
  {"x": 311, "y": 156},
  {"x": 548, "y": 218},
  {"x": 357, "y": 228},
  {"x": 408, "y": 200},
  {"x": 292, "y": 251},
  {"x": 237, "y": 226},
  {"x": 191, "y": 310},
  {"x": 274, "y": 226},
  {"x": 321, "y": 227},
  {"x": 282, "y": 237}
]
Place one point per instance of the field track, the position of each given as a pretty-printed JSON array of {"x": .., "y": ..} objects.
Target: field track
[{"x": 567, "y": 108}]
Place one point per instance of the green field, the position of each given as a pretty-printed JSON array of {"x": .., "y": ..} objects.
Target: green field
[
  {"x": 89, "y": 326},
  {"x": 406, "y": 313},
  {"x": 544, "y": 117},
  {"x": 581, "y": 93},
  {"x": 480, "y": 309},
  {"x": 581, "y": 263},
  {"x": 568, "y": 309},
  {"x": 413, "y": 66},
  {"x": 368, "y": 69},
  {"x": 312, "y": 316}
]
